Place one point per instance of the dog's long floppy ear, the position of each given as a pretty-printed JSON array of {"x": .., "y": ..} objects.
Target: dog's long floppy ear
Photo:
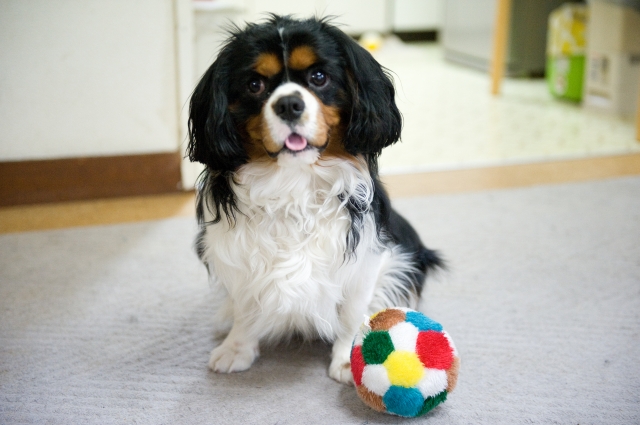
[
  {"x": 375, "y": 120},
  {"x": 213, "y": 138}
]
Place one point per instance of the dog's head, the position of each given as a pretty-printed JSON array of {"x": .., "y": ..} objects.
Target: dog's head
[{"x": 291, "y": 91}]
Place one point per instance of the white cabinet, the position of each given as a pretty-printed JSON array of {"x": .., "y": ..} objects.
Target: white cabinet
[{"x": 87, "y": 78}]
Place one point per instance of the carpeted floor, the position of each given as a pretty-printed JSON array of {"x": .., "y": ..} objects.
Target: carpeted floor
[{"x": 111, "y": 324}]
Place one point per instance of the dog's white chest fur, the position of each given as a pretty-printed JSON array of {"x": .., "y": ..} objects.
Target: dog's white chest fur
[{"x": 284, "y": 259}]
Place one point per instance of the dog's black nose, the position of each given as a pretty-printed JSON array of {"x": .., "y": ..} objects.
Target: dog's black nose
[{"x": 289, "y": 108}]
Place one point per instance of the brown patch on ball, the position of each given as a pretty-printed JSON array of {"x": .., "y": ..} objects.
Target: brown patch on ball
[
  {"x": 372, "y": 400},
  {"x": 302, "y": 57},
  {"x": 452, "y": 374},
  {"x": 268, "y": 65},
  {"x": 387, "y": 319}
]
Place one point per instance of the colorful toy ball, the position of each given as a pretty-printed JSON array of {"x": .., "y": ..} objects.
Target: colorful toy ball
[{"x": 403, "y": 362}]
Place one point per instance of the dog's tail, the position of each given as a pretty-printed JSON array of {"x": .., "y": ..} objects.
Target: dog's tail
[{"x": 429, "y": 260}]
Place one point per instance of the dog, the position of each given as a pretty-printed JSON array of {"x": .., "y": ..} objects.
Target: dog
[{"x": 296, "y": 230}]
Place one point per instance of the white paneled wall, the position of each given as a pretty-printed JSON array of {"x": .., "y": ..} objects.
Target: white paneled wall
[{"x": 87, "y": 78}]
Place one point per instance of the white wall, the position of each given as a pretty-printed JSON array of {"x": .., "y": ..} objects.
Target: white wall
[
  {"x": 357, "y": 16},
  {"x": 87, "y": 78},
  {"x": 418, "y": 15}
]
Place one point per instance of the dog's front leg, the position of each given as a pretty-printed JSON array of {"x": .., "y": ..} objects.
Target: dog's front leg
[
  {"x": 351, "y": 314},
  {"x": 340, "y": 367},
  {"x": 238, "y": 350}
]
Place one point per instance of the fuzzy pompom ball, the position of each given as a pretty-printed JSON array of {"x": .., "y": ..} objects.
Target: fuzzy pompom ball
[{"x": 403, "y": 362}]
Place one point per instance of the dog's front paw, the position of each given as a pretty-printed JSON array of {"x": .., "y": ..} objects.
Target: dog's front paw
[
  {"x": 232, "y": 357},
  {"x": 340, "y": 367},
  {"x": 341, "y": 371}
]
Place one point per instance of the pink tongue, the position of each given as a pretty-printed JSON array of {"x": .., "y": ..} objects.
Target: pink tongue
[{"x": 295, "y": 142}]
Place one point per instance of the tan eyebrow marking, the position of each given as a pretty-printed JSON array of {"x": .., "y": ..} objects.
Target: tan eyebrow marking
[
  {"x": 267, "y": 65},
  {"x": 302, "y": 58}
]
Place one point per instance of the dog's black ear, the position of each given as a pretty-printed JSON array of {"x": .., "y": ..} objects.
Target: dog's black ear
[
  {"x": 213, "y": 138},
  {"x": 375, "y": 121}
]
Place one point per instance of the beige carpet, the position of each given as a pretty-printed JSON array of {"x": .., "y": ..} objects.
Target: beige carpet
[{"x": 111, "y": 324}]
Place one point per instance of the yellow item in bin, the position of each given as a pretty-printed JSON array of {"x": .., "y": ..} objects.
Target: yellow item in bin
[
  {"x": 567, "y": 30},
  {"x": 371, "y": 41},
  {"x": 566, "y": 46}
]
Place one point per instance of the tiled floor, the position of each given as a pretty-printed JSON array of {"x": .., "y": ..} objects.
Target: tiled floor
[
  {"x": 457, "y": 137},
  {"x": 452, "y": 122}
]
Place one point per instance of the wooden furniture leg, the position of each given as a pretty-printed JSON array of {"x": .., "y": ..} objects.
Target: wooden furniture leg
[
  {"x": 638, "y": 114},
  {"x": 500, "y": 43}
]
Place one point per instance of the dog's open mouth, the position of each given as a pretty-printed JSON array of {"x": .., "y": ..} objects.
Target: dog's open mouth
[
  {"x": 295, "y": 142},
  {"x": 297, "y": 146}
]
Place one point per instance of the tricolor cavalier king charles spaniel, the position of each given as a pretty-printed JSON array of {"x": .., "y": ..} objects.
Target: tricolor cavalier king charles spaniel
[{"x": 296, "y": 230}]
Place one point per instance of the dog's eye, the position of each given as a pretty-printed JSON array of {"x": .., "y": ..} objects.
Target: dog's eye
[
  {"x": 256, "y": 86},
  {"x": 318, "y": 78}
]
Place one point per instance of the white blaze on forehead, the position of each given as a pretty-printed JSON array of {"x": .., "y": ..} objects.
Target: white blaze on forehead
[
  {"x": 306, "y": 126},
  {"x": 284, "y": 52}
]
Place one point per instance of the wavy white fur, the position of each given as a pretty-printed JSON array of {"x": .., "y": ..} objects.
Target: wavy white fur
[{"x": 282, "y": 267}]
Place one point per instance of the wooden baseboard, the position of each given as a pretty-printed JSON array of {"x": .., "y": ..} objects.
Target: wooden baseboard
[
  {"x": 129, "y": 209},
  {"x": 72, "y": 179},
  {"x": 508, "y": 176}
]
